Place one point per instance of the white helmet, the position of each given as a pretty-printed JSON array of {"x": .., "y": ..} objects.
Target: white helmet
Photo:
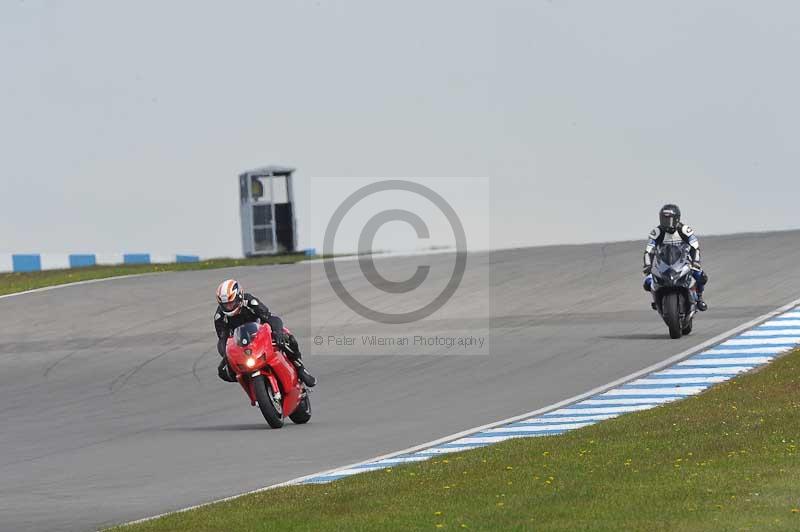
[{"x": 229, "y": 297}]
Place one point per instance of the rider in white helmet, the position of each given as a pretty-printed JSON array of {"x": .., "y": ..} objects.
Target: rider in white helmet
[
  {"x": 671, "y": 230},
  {"x": 235, "y": 308}
]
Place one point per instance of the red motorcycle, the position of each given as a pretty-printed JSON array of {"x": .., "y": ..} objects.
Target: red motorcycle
[{"x": 268, "y": 377}]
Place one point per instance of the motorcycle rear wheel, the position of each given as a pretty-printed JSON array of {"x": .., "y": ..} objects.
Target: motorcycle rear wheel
[
  {"x": 672, "y": 316},
  {"x": 270, "y": 406}
]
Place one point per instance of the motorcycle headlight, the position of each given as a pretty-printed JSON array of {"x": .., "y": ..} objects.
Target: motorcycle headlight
[{"x": 251, "y": 362}]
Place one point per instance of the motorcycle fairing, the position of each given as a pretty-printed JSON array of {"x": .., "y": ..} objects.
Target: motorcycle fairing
[{"x": 253, "y": 341}]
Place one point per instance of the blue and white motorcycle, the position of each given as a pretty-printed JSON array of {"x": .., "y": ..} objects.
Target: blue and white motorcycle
[{"x": 674, "y": 288}]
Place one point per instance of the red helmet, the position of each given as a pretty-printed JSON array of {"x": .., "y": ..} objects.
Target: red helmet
[{"x": 229, "y": 297}]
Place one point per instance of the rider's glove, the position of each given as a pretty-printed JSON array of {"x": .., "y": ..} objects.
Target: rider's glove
[{"x": 646, "y": 269}]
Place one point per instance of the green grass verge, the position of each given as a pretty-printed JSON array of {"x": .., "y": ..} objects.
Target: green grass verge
[
  {"x": 724, "y": 460},
  {"x": 19, "y": 282}
]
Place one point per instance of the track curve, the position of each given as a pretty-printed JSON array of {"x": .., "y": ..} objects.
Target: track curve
[{"x": 111, "y": 409}]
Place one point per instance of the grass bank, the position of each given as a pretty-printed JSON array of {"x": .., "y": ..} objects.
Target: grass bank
[
  {"x": 19, "y": 282},
  {"x": 724, "y": 460}
]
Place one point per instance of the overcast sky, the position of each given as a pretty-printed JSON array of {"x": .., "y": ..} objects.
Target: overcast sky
[{"x": 123, "y": 125}]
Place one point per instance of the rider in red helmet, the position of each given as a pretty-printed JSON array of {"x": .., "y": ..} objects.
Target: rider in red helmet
[{"x": 237, "y": 308}]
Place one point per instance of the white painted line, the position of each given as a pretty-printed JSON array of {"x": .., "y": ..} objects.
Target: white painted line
[
  {"x": 448, "y": 450},
  {"x": 481, "y": 440},
  {"x": 774, "y": 350},
  {"x": 534, "y": 430},
  {"x": 762, "y": 341},
  {"x": 755, "y": 361},
  {"x": 781, "y": 323},
  {"x": 675, "y": 390},
  {"x": 104, "y": 279},
  {"x": 724, "y": 370},
  {"x": 351, "y": 472},
  {"x": 392, "y": 462},
  {"x": 567, "y": 419},
  {"x": 684, "y": 380},
  {"x": 608, "y": 409},
  {"x": 402, "y": 460},
  {"x": 628, "y": 401},
  {"x": 556, "y": 409},
  {"x": 90, "y": 281},
  {"x": 772, "y": 332}
]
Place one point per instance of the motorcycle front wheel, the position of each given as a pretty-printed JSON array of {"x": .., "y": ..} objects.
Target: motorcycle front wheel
[
  {"x": 268, "y": 402},
  {"x": 672, "y": 317}
]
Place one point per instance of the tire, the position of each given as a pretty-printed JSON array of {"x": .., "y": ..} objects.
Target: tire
[
  {"x": 672, "y": 316},
  {"x": 688, "y": 329},
  {"x": 302, "y": 413},
  {"x": 265, "y": 395}
]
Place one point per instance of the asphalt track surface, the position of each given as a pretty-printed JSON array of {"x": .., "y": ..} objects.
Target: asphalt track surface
[{"x": 111, "y": 410}]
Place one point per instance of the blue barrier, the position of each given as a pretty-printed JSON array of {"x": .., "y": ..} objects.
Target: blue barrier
[
  {"x": 82, "y": 260},
  {"x": 34, "y": 262},
  {"x": 27, "y": 263},
  {"x": 136, "y": 258}
]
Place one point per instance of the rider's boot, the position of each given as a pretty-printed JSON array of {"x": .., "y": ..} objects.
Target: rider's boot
[
  {"x": 302, "y": 373},
  {"x": 224, "y": 372},
  {"x": 648, "y": 287},
  {"x": 702, "y": 278}
]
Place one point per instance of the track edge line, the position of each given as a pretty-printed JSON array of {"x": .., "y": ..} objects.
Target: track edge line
[{"x": 555, "y": 406}]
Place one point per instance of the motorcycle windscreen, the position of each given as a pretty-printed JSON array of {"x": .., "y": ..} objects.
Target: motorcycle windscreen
[
  {"x": 245, "y": 334},
  {"x": 671, "y": 255},
  {"x": 671, "y": 265}
]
